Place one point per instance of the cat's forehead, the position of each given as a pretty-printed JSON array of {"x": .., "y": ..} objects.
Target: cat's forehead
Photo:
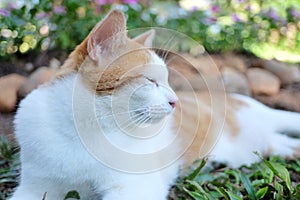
[
  {"x": 131, "y": 65},
  {"x": 156, "y": 68},
  {"x": 137, "y": 63},
  {"x": 130, "y": 59}
]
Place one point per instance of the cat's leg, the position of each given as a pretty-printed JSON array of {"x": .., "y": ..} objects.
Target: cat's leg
[
  {"x": 35, "y": 188},
  {"x": 285, "y": 141},
  {"x": 26, "y": 193},
  {"x": 283, "y": 145},
  {"x": 260, "y": 129},
  {"x": 277, "y": 132},
  {"x": 36, "y": 192},
  {"x": 138, "y": 191},
  {"x": 150, "y": 186}
]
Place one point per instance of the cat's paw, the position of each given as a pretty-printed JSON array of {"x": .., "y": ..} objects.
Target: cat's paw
[{"x": 284, "y": 146}]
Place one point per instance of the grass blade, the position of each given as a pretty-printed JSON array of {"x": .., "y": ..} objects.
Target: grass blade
[
  {"x": 262, "y": 192},
  {"x": 248, "y": 186},
  {"x": 72, "y": 195},
  {"x": 195, "y": 173}
]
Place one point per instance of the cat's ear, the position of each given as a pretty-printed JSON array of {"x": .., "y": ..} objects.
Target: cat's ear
[
  {"x": 146, "y": 38},
  {"x": 108, "y": 33}
]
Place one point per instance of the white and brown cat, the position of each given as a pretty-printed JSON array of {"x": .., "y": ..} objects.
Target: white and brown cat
[{"x": 112, "y": 88}]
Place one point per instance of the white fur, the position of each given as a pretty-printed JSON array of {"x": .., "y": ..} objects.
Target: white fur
[
  {"x": 260, "y": 131},
  {"x": 55, "y": 161}
]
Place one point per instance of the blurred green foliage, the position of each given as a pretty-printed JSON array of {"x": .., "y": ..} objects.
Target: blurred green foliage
[
  {"x": 46, "y": 25},
  {"x": 269, "y": 29},
  {"x": 9, "y": 167}
]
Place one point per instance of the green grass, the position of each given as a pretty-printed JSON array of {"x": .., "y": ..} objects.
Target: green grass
[
  {"x": 9, "y": 167},
  {"x": 273, "y": 178}
]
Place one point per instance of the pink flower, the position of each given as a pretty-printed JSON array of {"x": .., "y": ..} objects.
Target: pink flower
[
  {"x": 59, "y": 10},
  {"x": 12, "y": 6},
  {"x": 215, "y": 9},
  {"x": 210, "y": 20},
  {"x": 273, "y": 14},
  {"x": 195, "y": 8},
  {"x": 103, "y": 2},
  {"x": 130, "y": 1},
  {"x": 40, "y": 15},
  {"x": 236, "y": 18},
  {"x": 295, "y": 12},
  {"x": 249, "y": 8},
  {"x": 4, "y": 12}
]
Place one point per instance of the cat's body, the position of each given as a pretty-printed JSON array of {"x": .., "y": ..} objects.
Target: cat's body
[
  {"x": 59, "y": 162},
  {"x": 61, "y": 140}
]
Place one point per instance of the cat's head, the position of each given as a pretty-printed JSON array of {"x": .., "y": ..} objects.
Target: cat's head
[{"x": 126, "y": 70}]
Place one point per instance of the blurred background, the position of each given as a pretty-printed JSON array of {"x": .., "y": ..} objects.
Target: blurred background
[
  {"x": 267, "y": 28},
  {"x": 255, "y": 45}
]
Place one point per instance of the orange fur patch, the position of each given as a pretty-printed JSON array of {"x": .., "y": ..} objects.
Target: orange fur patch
[
  {"x": 75, "y": 59},
  {"x": 233, "y": 105},
  {"x": 104, "y": 79},
  {"x": 195, "y": 119}
]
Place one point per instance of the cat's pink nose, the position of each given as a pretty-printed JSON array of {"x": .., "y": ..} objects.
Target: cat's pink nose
[{"x": 173, "y": 103}]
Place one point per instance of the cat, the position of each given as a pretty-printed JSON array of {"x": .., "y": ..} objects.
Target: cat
[{"x": 110, "y": 127}]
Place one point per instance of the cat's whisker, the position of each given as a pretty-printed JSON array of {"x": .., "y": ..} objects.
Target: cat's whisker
[
  {"x": 132, "y": 126},
  {"x": 144, "y": 121},
  {"x": 132, "y": 122},
  {"x": 139, "y": 123},
  {"x": 121, "y": 124},
  {"x": 122, "y": 113},
  {"x": 167, "y": 52},
  {"x": 143, "y": 118},
  {"x": 164, "y": 56},
  {"x": 130, "y": 111}
]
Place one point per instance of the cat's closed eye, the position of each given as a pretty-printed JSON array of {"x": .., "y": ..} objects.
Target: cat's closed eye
[{"x": 152, "y": 81}]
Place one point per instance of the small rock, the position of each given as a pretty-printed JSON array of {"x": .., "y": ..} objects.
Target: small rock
[
  {"x": 9, "y": 85},
  {"x": 285, "y": 100},
  {"x": 235, "y": 61},
  {"x": 294, "y": 89},
  {"x": 206, "y": 65},
  {"x": 38, "y": 77},
  {"x": 230, "y": 60},
  {"x": 286, "y": 73},
  {"x": 181, "y": 66},
  {"x": 190, "y": 73},
  {"x": 54, "y": 63},
  {"x": 235, "y": 81},
  {"x": 29, "y": 67},
  {"x": 262, "y": 81}
]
